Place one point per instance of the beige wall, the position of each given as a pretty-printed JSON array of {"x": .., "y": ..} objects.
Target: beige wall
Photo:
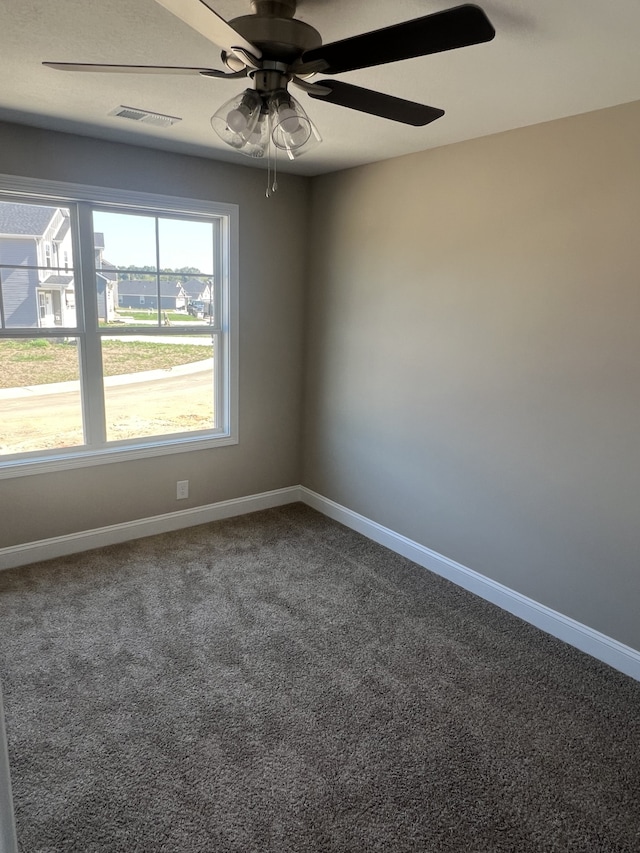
[
  {"x": 473, "y": 377},
  {"x": 271, "y": 305}
]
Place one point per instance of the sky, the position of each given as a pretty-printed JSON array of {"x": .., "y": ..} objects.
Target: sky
[{"x": 130, "y": 240}]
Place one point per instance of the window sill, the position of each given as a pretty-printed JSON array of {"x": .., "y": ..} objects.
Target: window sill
[{"x": 84, "y": 458}]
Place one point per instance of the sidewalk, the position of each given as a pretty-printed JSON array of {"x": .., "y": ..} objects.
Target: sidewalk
[{"x": 124, "y": 379}]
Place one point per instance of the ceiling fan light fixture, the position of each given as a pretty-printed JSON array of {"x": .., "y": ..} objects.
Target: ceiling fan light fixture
[
  {"x": 235, "y": 121},
  {"x": 252, "y": 120}
]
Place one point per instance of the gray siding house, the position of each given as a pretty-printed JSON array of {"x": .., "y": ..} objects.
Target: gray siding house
[
  {"x": 36, "y": 257},
  {"x": 36, "y": 269},
  {"x": 140, "y": 294}
]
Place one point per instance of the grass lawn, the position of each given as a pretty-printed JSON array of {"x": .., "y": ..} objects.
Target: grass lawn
[
  {"x": 173, "y": 316},
  {"x": 39, "y": 362}
]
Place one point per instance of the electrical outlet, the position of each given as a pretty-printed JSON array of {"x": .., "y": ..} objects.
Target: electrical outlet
[{"x": 182, "y": 489}]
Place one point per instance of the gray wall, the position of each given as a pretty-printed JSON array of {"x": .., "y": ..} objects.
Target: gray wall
[
  {"x": 473, "y": 364},
  {"x": 271, "y": 306}
]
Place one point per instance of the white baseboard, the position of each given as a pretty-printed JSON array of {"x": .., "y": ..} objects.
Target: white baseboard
[
  {"x": 59, "y": 546},
  {"x": 604, "y": 648},
  {"x": 600, "y": 646}
]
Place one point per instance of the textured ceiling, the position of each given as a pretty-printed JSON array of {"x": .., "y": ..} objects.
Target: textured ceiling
[{"x": 550, "y": 59}]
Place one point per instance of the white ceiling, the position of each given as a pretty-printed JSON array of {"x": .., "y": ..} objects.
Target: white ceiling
[{"x": 550, "y": 59}]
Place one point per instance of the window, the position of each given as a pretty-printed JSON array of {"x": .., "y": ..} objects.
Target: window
[
  {"x": 42, "y": 302},
  {"x": 100, "y": 358}
]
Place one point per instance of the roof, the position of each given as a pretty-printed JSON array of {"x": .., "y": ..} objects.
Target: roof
[
  {"x": 139, "y": 287},
  {"x": 195, "y": 286},
  {"x": 58, "y": 279},
  {"x": 32, "y": 220},
  {"x": 27, "y": 220},
  {"x": 63, "y": 230},
  {"x": 108, "y": 271}
]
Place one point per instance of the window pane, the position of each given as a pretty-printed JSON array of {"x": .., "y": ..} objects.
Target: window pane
[
  {"x": 125, "y": 241},
  {"x": 40, "y": 405},
  {"x": 159, "y": 386},
  {"x": 185, "y": 246},
  {"x": 36, "y": 267}
]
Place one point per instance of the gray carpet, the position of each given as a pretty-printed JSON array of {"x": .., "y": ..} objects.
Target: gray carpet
[{"x": 277, "y": 682}]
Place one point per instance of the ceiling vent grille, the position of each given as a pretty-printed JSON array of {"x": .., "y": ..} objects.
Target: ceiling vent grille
[{"x": 144, "y": 116}]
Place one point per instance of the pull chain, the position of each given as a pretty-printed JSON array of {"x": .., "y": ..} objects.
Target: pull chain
[
  {"x": 272, "y": 157},
  {"x": 274, "y": 185},
  {"x": 268, "y": 191}
]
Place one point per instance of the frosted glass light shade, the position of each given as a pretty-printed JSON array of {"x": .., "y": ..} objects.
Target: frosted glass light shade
[
  {"x": 292, "y": 129},
  {"x": 313, "y": 140},
  {"x": 236, "y": 120},
  {"x": 257, "y": 144}
]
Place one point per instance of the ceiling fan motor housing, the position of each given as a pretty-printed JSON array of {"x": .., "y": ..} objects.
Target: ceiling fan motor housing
[{"x": 273, "y": 29}]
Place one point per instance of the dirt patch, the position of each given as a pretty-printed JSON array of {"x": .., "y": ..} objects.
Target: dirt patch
[{"x": 141, "y": 409}]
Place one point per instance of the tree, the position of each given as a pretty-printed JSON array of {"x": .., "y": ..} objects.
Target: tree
[{"x": 142, "y": 273}]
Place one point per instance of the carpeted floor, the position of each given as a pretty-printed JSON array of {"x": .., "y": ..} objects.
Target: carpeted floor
[{"x": 276, "y": 682}]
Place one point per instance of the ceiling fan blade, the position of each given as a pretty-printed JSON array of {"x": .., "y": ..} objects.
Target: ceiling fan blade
[
  {"x": 453, "y": 28},
  {"x": 140, "y": 69},
  {"x": 376, "y": 103},
  {"x": 200, "y": 16}
]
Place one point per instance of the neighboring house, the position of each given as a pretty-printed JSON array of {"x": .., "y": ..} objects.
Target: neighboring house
[
  {"x": 197, "y": 290},
  {"x": 106, "y": 281},
  {"x": 37, "y": 280},
  {"x": 140, "y": 294},
  {"x": 35, "y": 253}
]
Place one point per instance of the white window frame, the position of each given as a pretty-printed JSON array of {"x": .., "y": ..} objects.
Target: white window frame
[{"x": 81, "y": 197}]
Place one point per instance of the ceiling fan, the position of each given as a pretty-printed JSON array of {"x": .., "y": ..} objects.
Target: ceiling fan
[{"x": 275, "y": 49}]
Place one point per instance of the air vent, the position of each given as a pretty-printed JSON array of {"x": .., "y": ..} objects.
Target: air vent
[{"x": 144, "y": 116}]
